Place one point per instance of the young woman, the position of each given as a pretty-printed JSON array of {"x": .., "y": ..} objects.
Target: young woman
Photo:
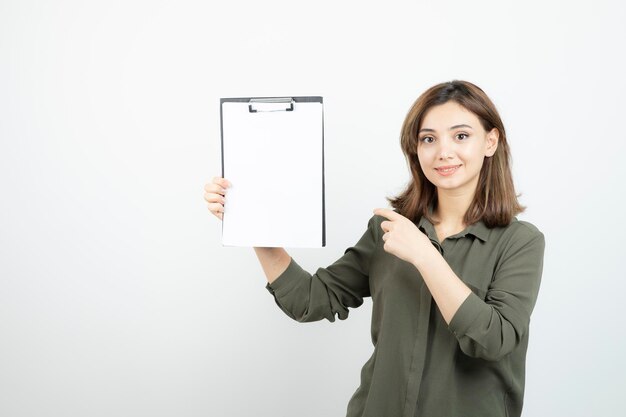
[{"x": 452, "y": 273}]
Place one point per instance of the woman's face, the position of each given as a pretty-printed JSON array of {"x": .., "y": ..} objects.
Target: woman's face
[{"x": 452, "y": 136}]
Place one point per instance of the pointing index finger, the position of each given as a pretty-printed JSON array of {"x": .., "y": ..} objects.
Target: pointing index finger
[{"x": 388, "y": 213}]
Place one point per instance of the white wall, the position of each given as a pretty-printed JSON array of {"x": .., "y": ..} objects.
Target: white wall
[{"x": 116, "y": 296}]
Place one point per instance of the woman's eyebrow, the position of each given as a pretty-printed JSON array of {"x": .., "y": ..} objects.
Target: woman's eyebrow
[{"x": 452, "y": 128}]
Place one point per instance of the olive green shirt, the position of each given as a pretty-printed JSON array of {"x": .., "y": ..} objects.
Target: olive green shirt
[{"x": 421, "y": 366}]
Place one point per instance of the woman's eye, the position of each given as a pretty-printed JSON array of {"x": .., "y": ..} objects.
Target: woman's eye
[
  {"x": 425, "y": 139},
  {"x": 465, "y": 135}
]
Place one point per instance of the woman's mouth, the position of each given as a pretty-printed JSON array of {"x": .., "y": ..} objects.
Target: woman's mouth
[{"x": 447, "y": 170}]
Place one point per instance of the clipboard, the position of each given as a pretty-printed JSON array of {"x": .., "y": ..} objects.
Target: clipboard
[{"x": 273, "y": 155}]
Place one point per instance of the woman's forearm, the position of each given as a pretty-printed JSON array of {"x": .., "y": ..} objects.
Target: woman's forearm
[
  {"x": 274, "y": 261},
  {"x": 447, "y": 289}
]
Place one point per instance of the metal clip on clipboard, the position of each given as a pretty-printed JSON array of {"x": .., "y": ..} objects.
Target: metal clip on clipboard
[{"x": 270, "y": 104}]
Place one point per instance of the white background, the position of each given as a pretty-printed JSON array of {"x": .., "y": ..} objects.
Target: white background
[{"x": 116, "y": 296}]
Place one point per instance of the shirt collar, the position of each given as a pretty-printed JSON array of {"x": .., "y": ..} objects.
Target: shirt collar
[{"x": 478, "y": 229}]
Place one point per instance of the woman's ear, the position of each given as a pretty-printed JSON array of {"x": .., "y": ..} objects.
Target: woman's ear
[{"x": 492, "y": 142}]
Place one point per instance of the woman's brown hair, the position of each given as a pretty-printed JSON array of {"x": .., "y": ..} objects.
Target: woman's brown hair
[{"x": 495, "y": 201}]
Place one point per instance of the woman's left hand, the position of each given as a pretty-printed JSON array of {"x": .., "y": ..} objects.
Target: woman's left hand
[{"x": 402, "y": 237}]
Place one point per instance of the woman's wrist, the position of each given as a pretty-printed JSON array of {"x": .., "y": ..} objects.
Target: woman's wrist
[{"x": 423, "y": 256}]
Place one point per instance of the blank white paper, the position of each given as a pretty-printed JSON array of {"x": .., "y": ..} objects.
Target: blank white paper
[{"x": 274, "y": 161}]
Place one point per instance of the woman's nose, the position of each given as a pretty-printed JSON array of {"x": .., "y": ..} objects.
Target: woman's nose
[{"x": 445, "y": 150}]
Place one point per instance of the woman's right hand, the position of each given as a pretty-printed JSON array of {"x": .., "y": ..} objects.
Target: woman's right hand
[{"x": 214, "y": 195}]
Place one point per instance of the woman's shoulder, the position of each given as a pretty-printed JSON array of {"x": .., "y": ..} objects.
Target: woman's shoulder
[
  {"x": 524, "y": 226},
  {"x": 521, "y": 231}
]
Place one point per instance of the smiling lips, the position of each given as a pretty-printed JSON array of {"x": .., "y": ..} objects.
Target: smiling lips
[{"x": 447, "y": 170}]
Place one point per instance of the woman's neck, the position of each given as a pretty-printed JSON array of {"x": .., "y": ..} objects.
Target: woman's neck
[{"x": 451, "y": 208}]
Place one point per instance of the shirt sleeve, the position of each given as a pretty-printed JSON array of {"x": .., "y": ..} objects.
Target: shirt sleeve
[
  {"x": 331, "y": 290},
  {"x": 492, "y": 328}
]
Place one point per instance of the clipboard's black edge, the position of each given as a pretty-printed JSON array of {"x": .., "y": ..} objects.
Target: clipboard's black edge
[
  {"x": 323, "y": 185},
  {"x": 297, "y": 99}
]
